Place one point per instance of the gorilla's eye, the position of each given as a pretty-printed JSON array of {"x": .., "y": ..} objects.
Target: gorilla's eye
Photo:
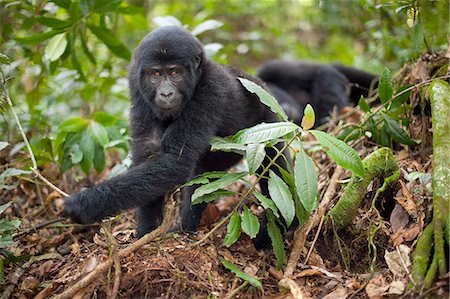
[
  {"x": 173, "y": 72},
  {"x": 156, "y": 73}
]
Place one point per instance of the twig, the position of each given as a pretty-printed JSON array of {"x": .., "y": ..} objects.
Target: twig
[
  {"x": 302, "y": 232},
  {"x": 236, "y": 290},
  {"x": 34, "y": 167},
  {"x": 163, "y": 228},
  {"x": 315, "y": 240}
]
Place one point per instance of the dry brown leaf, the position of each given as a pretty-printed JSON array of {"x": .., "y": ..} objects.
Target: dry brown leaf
[
  {"x": 377, "y": 287},
  {"x": 406, "y": 200},
  {"x": 398, "y": 260},
  {"x": 90, "y": 264},
  {"x": 396, "y": 288},
  {"x": 29, "y": 284},
  {"x": 307, "y": 273},
  {"x": 339, "y": 293},
  {"x": 398, "y": 218}
]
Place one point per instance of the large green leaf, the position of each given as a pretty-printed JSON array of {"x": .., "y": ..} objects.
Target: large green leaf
[
  {"x": 226, "y": 145},
  {"x": 266, "y": 202},
  {"x": 87, "y": 145},
  {"x": 250, "y": 279},
  {"x": 341, "y": 153},
  {"x": 305, "y": 180},
  {"x": 104, "y": 6},
  {"x": 264, "y": 132},
  {"x": 224, "y": 181},
  {"x": 396, "y": 132},
  {"x": 112, "y": 42},
  {"x": 264, "y": 97},
  {"x": 255, "y": 155},
  {"x": 249, "y": 223},
  {"x": 53, "y": 23},
  {"x": 385, "y": 86},
  {"x": 277, "y": 240},
  {"x": 212, "y": 196},
  {"x": 233, "y": 230},
  {"x": 280, "y": 194},
  {"x": 38, "y": 38},
  {"x": 73, "y": 125},
  {"x": 98, "y": 132},
  {"x": 204, "y": 178}
]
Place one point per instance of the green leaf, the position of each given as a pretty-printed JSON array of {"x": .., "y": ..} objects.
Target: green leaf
[
  {"x": 56, "y": 47},
  {"x": 98, "y": 132},
  {"x": 267, "y": 203},
  {"x": 114, "y": 44},
  {"x": 76, "y": 124},
  {"x": 53, "y": 23},
  {"x": 385, "y": 86},
  {"x": 279, "y": 192},
  {"x": 206, "y": 26},
  {"x": 250, "y": 223},
  {"x": 76, "y": 154},
  {"x": 233, "y": 230},
  {"x": 363, "y": 105},
  {"x": 204, "y": 178},
  {"x": 264, "y": 132},
  {"x": 341, "y": 153},
  {"x": 62, "y": 3},
  {"x": 99, "y": 159},
  {"x": 104, "y": 6},
  {"x": 264, "y": 97},
  {"x": 305, "y": 180},
  {"x": 4, "y": 59},
  {"x": 224, "y": 181},
  {"x": 226, "y": 145},
  {"x": 417, "y": 39},
  {"x": 38, "y": 38},
  {"x": 277, "y": 240},
  {"x": 255, "y": 155},
  {"x": 396, "y": 132},
  {"x": 250, "y": 279},
  {"x": 87, "y": 145},
  {"x": 105, "y": 119},
  {"x": 212, "y": 196},
  {"x": 309, "y": 118},
  {"x": 85, "y": 48},
  {"x": 3, "y": 145}
]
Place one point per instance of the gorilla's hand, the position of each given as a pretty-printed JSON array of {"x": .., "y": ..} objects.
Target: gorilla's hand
[{"x": 79, "y": 207}]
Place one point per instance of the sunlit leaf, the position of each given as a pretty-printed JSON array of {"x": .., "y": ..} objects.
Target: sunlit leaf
[
  {"x": 38, "y": 38},
  {"x": 75, "y": 124},
  {"x": 56, "y": 47},
  {"x": 98, "y": 132},
  {"x": 309, "y": 117},
  {"x": 226, "y": 145},
  {"x": 255, "y": 155},
  {"x": 205, "y": 26},
  {"x": 212, "y": 196},
  {"x": 264, "y": 97},
  {"x": 264, "y": 132},
  {"x": 111, "y": 41},
  {"x": 363, "y": 105},
  {"x": 341, "y": 153}
]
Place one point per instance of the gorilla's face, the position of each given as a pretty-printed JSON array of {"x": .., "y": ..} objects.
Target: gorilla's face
[{"x": 169, "y": 62}]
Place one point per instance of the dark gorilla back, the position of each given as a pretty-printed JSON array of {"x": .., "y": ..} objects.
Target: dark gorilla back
[
  {"x": 179, "y": 100},
  {"x": 321, "y": 85}
]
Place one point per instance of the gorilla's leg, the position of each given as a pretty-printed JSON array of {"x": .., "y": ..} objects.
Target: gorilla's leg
[
  {"x": 191, "y": 214},
  {"x": 149, "y": 217}
]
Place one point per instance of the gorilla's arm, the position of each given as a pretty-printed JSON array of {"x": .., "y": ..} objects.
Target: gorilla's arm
[{"x": 181, "y": 146}]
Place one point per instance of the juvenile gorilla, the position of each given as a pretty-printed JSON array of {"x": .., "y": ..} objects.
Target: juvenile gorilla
[
  {"x": 325, "y": 86},
  {"x": 179, "y": 100}
]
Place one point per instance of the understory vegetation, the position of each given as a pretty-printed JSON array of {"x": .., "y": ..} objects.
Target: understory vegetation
[{"x": 362, "y": 211}]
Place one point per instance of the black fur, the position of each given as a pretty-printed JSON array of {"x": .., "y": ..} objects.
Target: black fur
[
  {"x": 297, "y": 83},
  {"x": 169, "y": 147}
]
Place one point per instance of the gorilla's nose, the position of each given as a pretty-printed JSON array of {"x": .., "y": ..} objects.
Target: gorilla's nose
[{"x": 168, "y": 95}]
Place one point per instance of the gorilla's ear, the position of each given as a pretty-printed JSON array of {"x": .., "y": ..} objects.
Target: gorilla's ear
[{"x": 198, "y": 60}]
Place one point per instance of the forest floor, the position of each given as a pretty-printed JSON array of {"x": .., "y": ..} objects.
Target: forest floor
[{"x": 335, "y": 265}]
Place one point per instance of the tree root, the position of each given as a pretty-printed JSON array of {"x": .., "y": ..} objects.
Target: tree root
[
  {"x": 380, "y": 163},
  {"x": 89, "y": 278},
  {"x": 302, "y": 232}
]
